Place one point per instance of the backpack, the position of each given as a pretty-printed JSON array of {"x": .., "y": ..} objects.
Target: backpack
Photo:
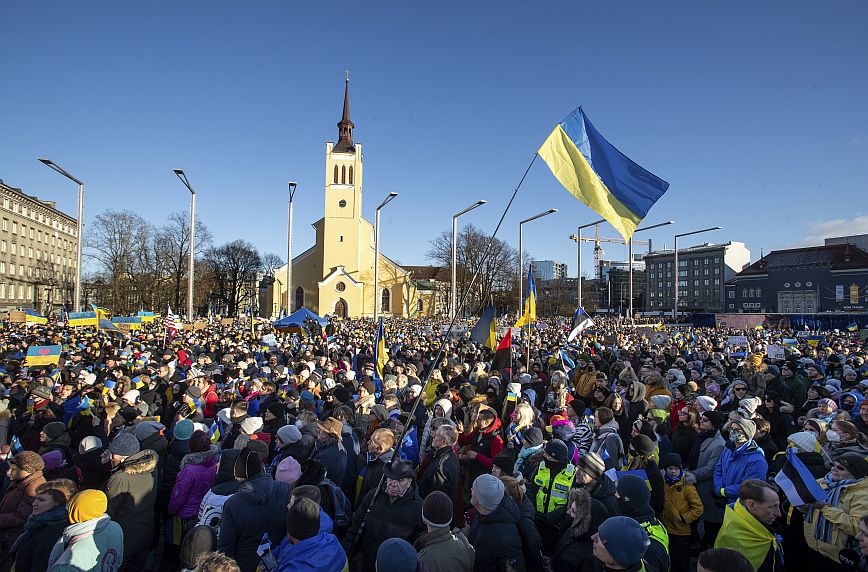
[{"x": 343, "y": 510}]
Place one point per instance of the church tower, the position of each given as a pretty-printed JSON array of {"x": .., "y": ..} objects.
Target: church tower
[{"x": 342, "y": 225}]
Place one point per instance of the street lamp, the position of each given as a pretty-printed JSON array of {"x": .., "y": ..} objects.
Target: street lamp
[
  {"x": 677, "y": 277},
  {"x": 386, "y": 201},
  {"x": 183, "y": 177},
  {"x": 77, "y": 293},
  {"x": 454, "y": 291},
  {"x": 521, "y": 253},
  {"x": 292, "y": 187},
  {"x": 630, "y": 255},
  {"x": 578, "y": 238}
]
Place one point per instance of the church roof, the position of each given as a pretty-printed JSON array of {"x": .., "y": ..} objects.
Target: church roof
[
  {"x": 345, "y": 125},
  {"x": 432, "y": 273}
]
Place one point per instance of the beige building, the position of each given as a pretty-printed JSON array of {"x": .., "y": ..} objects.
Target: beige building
[
  {"x": 37, "y": 253},
  {"x": 336, "y": 274}
]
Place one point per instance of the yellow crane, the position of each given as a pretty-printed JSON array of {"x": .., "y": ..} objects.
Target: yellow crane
[{"x": 598, "y": 249}]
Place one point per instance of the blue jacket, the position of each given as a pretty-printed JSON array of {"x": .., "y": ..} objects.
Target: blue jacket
[
  {"x": 737, "y": 465},
  {"x": 409, "y": 450},
  {"x": 320, "y": 553},
  {"x": 854, "y": 411}
]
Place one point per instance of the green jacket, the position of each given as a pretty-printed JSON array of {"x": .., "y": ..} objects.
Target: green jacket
[
  {"x": 444, "y": 550},
  {"x": 95, "y": 545}
]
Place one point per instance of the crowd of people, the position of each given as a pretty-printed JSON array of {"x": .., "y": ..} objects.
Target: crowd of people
[{"x": 226, "y": 449}]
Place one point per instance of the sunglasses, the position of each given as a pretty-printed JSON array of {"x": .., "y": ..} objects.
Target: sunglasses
[{"x": 740, "y": 389}]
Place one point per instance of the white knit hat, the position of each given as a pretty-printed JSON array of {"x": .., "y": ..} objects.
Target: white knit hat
[
  {"x": 707, "y": 403},
  {"x": 804, "y": 440}
]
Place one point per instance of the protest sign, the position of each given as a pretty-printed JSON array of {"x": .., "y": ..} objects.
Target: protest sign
[
  {"x": 736, "y": 341},
  {"x": 42, "y": 355},
  {"x": 776, "y": 352}
]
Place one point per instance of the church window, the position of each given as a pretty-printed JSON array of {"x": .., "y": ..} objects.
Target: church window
[
  {"x": 385, "y": 300},
  {"x": 342, "y": 203},
  {"x": 299, "y": 298},
  {"x": 336, "y": 175},
  {"x": 344, "y": 175},
  {"x": 351, "y": 174},
  {"x": 340, "y": 286},
  {"x": 341, "y": 238}
]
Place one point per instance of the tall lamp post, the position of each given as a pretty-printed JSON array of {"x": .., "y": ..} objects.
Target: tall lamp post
[
  {"x": 521, "y": 252},
  {"x": 454, "y": 291},
  {"x": 292, "y": 188},
  {"x": 630, "y": 255},
  {"x": 578, "y": 238},
  {"x": 77, "y": 292},
  {"x": 677, "y": 277},
  {"x": 183, "y": 177},
  {"x": 386, "y": 201}
]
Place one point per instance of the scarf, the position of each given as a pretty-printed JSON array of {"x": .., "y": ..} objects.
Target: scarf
[
  {"x": 822, "y": 527},
  {"x": 514, "y": 434},
  {"x": 37, "y": 521},
  {"x": 672, "y": 480},
  {"x": 523, "y": 455}
]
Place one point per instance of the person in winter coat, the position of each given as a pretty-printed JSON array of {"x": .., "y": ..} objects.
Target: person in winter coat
[
  {"x": 701, "y": 463},
  {"x": 25, "y": 474},
  {"x": 198, "y": 469},
  {"x": 780, "y": 418},
  {"x": 225, "y": 485},
  {"x": 741, "y": 459},
  {"x": 495, "y": 531},
  {"x": 330, "y": 450},
  {"x": 177, "y": 449},
  {"x": 44, "y": 526},
  {"x": 635, "y": 400},
  {"x": 132, "y": 494},
  {"x": 92, "y": 542},
  {"x": 441, "y": 549},
  {"x": 444, "y": 470},
  {"x": 54, "y": 437},
  {"x": 590, "y": 474},
  {"x": 482, "y": 444},
  {"x": 683, "y": 507},
  {"x": 532, "y": 542},
  {"x": 531, "y": 446},
  {"x": 408, "y": 450},
  {"x": 305, "y": 548},
  {"x": 607, "y": 438},
  {"x": 258, "y": 507},
  {"x": 633, "y": 500},
  {"x": 642, "y": 457},
  {"x": 396, "y": 513},
  {"x": 575, "y": 549},
  {"x": 88, "y": 460},
  {"x": 381, "y": 448}
]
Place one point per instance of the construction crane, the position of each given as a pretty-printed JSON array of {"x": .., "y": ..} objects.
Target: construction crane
[{"x": 598, "y": 249}]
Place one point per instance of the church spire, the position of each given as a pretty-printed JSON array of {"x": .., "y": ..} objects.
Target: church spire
[{"x": 345, "y": 125}]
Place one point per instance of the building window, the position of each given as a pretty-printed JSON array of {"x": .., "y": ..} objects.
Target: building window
[
  {"x": 744, "y": 292},
  {"x": 335, "y": 180},
  {"x": 759, "y": 293},
  {"x": 344, "y": 175},
  {"x": 351, "y": 174},
  {"x": 731, "y": 294},
  {"x": 340, "y": 287},
  {"x": 385, "y": 300},
  {"x": 299, "y": 298},
  {"x": 420, "y": 306}
]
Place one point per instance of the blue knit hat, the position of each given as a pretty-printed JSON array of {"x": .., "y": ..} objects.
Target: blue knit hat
[
  {"x": 625, "y": 539},
  {"x": 397, "y": 555}
]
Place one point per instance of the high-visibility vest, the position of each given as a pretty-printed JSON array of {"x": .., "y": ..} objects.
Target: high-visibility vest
[
  {"x": 658, "y": 532},
  {"x": 549, "y": 500}
]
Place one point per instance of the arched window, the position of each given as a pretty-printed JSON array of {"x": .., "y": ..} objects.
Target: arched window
[
  {"x": 351, "y": 174},
  {"x": 299, "y": 298},
  {"x": 385, "y": 300},
  {"x": 344, "y": 175},
  {"x": 336, "y": 175}
]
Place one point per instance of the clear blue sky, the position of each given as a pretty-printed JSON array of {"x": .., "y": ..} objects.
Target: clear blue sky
[{"x": 755, "y": 112}]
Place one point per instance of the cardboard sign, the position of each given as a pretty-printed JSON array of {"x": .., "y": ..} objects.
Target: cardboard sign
[
  {"x": 658, "y": 338},
  {"x": 82, "y": 319},
  {"x": 227, "y": 321},
  {"x": 736, "y": 341},
  {"x": 199, "y": 326},
  {"x": 17, "y": 317},
  {"x": 776, "y": 352},
  {"x": 129, "y": 323}
]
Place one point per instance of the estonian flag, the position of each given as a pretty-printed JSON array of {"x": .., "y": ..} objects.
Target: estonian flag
[
  {"x": 798, "y": 483},
  {"x": 599, "y": 175},
  {"x": 581, "y": 321},
  {"x": 529, "y": 315},
  {"x": 484, "y": 332},
  {"x": 567, "y": 359},
  {"x": 503, "y": 354}
]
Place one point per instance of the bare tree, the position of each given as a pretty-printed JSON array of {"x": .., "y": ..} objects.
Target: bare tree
[
  {"x": 233, "y": 268},
  {"x": 270, "y": 263},
  {"x": 174, "y": 247}
]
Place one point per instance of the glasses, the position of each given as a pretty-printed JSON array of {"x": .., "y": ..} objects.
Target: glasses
[{"x": 740, "y": 389}]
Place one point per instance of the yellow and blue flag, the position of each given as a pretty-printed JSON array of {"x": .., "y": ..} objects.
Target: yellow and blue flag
[
  {"x": 485, "y": 331},
  {"x": 529, "y": 315},
  {"x": 854, "y": 327},
  {"x": 34, "y": 317},
  {"x": 101, "y": 313},
  {"x": 381, "y": 354},
  {"x": 42, "y": 355},
  {"x": 599, "y": 175}
]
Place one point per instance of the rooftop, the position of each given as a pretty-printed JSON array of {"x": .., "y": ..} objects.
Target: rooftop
[
  {"x": 433, "y": 273},
  {"x": 50, "y": 205},
  {"x": 836, "y": 256},
  {"x": 690, "y": 249}
]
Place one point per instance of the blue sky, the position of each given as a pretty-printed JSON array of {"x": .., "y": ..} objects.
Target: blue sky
[{"x": 754, "y": 112}]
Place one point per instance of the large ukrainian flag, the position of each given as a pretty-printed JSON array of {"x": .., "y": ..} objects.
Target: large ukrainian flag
[
  {"x": 599, "y": 175},
  {"x": 529, "y": 315}
]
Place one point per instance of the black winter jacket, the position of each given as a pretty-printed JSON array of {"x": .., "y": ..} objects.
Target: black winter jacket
[
  {"x": 497, "y": 539},
  {"x": 132, "y": 494}
]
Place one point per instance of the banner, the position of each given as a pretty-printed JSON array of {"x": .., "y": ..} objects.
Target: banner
[
  {"x": 736, "y": 341},
  {"x": 42, "y": 355},
  {"x": 790, "y": 342},
  {"x": 81, "y": 319},
  {"x": 129, "y": 323},
  {"x": 776, "y": 352},
  {"x": 226, "y": 321},
  {"x": 658, "y": 338},
  {"x": 199, "y": 326}
]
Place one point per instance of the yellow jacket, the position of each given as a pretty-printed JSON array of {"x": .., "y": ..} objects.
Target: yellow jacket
[
  {"x": 852, "y": 505},
  {"x": 682, "y": 506}
]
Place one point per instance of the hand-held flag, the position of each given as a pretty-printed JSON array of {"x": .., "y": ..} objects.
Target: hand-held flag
[
  {"x": 484, "y": 332},
  {"x": 581, "y": 321}
]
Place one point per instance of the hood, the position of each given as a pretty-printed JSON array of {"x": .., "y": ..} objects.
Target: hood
[
  {"x": 608, "y": 427},
  {"x": 638, "y": 391},
  {"x": 446, "y": 405},
  {"x": 854, "y": 411},
  {"x": 208, "y": 458},
  {"x": 142, "y": 462},
  {"x": 257, "y": 490},
  {"x": 784, "y": 407},
  {"x": 495, "y": 426},
  {"x": 531, "y": 396}
]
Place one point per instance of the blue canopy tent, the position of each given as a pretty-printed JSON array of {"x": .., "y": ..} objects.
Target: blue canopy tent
[{"x": 298, "y": 319}]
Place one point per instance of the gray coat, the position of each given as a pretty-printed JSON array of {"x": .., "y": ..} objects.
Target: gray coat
[{"x": 709, "y": 453}]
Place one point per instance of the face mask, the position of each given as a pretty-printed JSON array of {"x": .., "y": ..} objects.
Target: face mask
[
  {"x": 737, "y": 438},
  {"x": 832, "y": 436}
]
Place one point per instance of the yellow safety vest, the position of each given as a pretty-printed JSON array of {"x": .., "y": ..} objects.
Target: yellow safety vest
[
  {"x": 560, "y": 489},
  {"x": 657, "y": 532}
]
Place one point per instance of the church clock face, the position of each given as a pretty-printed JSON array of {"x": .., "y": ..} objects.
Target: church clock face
[
  {"x": 342, "y": 203},
  {"x": 340, "y": 286}
]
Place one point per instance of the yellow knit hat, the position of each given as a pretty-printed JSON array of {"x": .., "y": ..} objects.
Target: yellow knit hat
[{"x": 87, "y": 505}]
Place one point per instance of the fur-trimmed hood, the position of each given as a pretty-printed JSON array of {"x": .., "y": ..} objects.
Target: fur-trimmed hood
[
  {"x": 142, "y": 462},
  {"x": 200, "y": 458}
]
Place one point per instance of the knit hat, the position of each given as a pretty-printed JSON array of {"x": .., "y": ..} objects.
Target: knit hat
[
  {"x": 713, "y": 389},
  {"x": 533, "y": 437},
  {"x": 557, "y": 450},
  {"x": 592, "y": 464},
  {"x": 397, "y": 555},
  {"x": 505, "y": 461},
  {"x": 86, "y": 505},
  {"x": 288, "y": 471},
  {"x": 198, "y": 541},
  {"x": 41, "y": 392},
  {"x": 437, "y": 509},
  {"x": 661, "y": 401},
  {"x": 624, "y": 538},
  {"x": 633, "y": 494},
  {"x": 183, "y": 430},
  {"x": 53, "y": 459},
  {"x": 124, "y": 445},
  {"x": 804, "y": 440},
  {"x": 671, "y": 460},
  {"x": 302, "y": 519},
  {"x": 289, "y": 434},
  {"x": 54, "y": 430},
  {"x": 855, "y": 463},
  {"x": 29, "y": 462},
  {"x": 260, "y": 448},
  {"x": 342, "y": 394},
  {"x": 830, "y": 403},
  {"x": 129, "y": 414},
  {"x": 307, "y": 397},
  {"x": 251, "y": 425},
  {"x": 488, "y": 491},
  {"x": 131, "y": 396},
  {"x": 578, "y": 406},
  {"x": 747, "y": 406},
  {"x": 747, "y": 426},
  {"x": 716, "y": 418},
  {"x": 89, "y": 444},
  {"x": 706, "y": 402},
  {"x": 247, "y": 465},
  {"x": 147, "y": 428},
  {"x": 369, "y": 386}
]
